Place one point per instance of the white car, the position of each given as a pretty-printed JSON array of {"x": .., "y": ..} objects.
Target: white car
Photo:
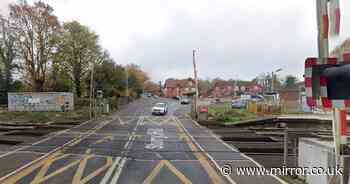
[
  {"x": 160, "y": 109},
  {"x": 184, "y": 100}
]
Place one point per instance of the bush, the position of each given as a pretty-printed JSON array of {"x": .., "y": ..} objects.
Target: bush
[{"x": 82, "y": 102}]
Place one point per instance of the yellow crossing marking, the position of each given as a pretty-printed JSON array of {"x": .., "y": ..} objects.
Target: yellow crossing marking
[
  {"x": 104, "y": 139},
  {"x": 45, "y": 164},
  {"x": 77, "y": 179},
  {"x": 45, "y": 167},
  {"x": 172, "y": 168},
  {"x": 212, "y": 173}
]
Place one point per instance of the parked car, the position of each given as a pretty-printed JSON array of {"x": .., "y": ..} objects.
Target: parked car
[
  {"x": 184, "y": 100},
  {"x": 257, "y": 98},
  {"x": 176, "y": 98},
  {"x": 160, "y": 109},
  {"x": 238, "y": 104}
]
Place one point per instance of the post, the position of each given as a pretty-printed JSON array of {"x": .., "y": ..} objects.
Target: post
[
  {"x": 91, "y": 90},
  {"x": 285, "y": 147},
  {"x": 127, "y": 83},
  {"x": 160, "y": 88},
  {"x": 322, "y": 25},
  {"x": 323, "y": 54},
  {"x": 272, "y": 81},
  {"x": 196, "y": 83}
]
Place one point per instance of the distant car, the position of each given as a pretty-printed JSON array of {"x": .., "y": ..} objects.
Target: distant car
[
  {"x": 238, "y": 104},
  {"x": 257, "y": 98},
  {"x": 149, "y": 95},
  {"x": 184, "y": 101},
  {"x": 160, "y": 109},
  {"x": 176, "y": 97}
]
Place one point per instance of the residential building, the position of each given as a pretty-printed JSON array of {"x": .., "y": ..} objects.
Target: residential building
[
  {"x": 231, "y": 88},
  {"x": 179, "y": 87}
]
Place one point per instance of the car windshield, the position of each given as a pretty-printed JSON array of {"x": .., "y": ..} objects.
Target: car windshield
[{"x": 161, "y": 105}]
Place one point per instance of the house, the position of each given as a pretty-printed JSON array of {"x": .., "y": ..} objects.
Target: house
[
  {"x": 231, "y": 88},
  {"x": 292, "y": 98},
  {"x": 223, "y": 88},
  {"x": 179, "y": 87}
]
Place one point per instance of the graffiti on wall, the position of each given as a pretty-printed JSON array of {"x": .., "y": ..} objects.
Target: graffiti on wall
[{"x": 51, "y": 101}]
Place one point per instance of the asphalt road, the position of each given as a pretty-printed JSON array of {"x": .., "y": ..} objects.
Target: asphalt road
[{"x": 131, "y": 146}]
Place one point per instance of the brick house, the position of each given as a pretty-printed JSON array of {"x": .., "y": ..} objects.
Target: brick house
[
  {"x": 228, "y": 88},
  {"x": 179, "y": 87},
  {"x": 222, "y": 89}
]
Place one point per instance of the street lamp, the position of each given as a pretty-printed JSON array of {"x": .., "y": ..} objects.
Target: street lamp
[{"x": 273, "y": 79}]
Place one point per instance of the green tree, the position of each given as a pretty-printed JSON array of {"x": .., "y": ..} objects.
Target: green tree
[
  {"x": 78, "y": 49},
  {"x": 7, "y": 55},
  {"x": 35, "y": 30},
  {"x": 290, "y": 81},
  {"x": 136, "y": 79},
  {"x": 205, "y": 87}
]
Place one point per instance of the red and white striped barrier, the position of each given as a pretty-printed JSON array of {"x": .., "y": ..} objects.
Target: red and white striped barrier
[{"x": 310, "y": 100}]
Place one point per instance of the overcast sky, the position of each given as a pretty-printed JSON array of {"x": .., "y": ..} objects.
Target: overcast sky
[{"x": 235, "y": 38}]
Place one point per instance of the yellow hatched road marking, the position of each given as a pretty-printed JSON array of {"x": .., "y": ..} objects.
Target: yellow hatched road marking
[
  {"x": 44, "y": 164},
  {"x": 77, "y": 179},
  {"x": 104, "y": 139},
  {"x": 172, "y": 168},
  {"x": 212, "y": 173},
  {"x": 45, "y": 168}
]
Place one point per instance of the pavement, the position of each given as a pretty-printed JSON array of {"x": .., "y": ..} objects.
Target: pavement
[{"x": 130, "y": 146}]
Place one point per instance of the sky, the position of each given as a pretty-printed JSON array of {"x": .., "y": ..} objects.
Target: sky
[{"x": 233, "y": 38}]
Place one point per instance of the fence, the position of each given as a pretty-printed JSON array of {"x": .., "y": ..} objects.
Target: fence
[{"x": 45, "y": 101}]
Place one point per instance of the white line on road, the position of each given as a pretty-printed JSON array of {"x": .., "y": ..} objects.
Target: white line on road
[
  {"x": 118, "y": 171},
  {"x": 123, "y": 160},
  {"x": 110, "y": 171}
]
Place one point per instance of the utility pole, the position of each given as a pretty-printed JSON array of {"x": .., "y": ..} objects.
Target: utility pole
[
  {"x": 160, "y": 88},
  {"x": 196, "y": 83},
  {"x": 273, "y": 79}
]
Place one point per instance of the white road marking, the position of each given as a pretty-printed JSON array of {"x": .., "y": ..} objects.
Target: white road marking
[
  {"x": 157, "y": 138},
  {"x": 126, "y": 146},
  {"x": 118, "y": 171},
  {"x": 110, "y": 171}
]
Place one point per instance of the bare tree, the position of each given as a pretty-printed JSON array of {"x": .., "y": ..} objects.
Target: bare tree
[{"x": 35, "y": 28}]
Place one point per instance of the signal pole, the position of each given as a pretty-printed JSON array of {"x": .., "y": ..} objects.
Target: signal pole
[{"x": 338, "y": 113}]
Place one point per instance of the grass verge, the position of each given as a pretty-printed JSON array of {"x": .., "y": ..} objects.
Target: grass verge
[
  {"x": 225, "y": 114},
  {"x": 78, "y": 115}
]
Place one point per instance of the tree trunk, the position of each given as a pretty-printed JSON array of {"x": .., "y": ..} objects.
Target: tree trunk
[
  {"x": 39, "y": 85},
  {"x": 77, "y": 88}
]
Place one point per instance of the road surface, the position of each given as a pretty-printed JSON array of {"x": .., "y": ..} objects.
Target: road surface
[{"x": 131, "y": 146}]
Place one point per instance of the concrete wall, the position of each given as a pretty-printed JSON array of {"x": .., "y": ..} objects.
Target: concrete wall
[{"x": 45, "y": 101}]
